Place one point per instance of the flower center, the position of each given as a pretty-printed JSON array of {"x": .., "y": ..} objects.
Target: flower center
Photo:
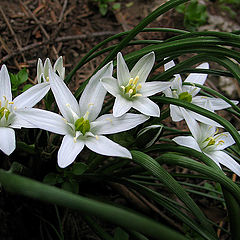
[
  {"x": 5, "y": 111},
  {"x": 213, "y": 140},
  {"x": 132, "y": 88},
  {"x": 185, "y": 96},
  {"x": 82, "y": 125}
]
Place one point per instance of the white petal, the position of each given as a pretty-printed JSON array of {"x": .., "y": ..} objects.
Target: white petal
[
  {"x": 191, "y": 122},
  {"x": 169, "y": 65},
  {"x": 187, "y": 141},
  {"x": 123, "y": 75},
  {"x": 198, "y": 78},
  {"x": 151, "y": 88},
  {"x": 105, "y": 146},
  {"x": 19, "y": 123},
  {"x": 5, "y": 89},
  {"x": 39, "y": 70},
  {"x": 175, "y": 113},
  {"x": 7, "y": 140},
  {"x": 93, "y": 95},
  {"x": 121, "y": 106},
  {"x": 32, "y": 96},
  {"x": 107, "y": 124},
  {"x": 168, "y": 92},
  {"x": 224, "y": 140},
  {"x": 58, "y": 67},
  {"x": 146, "y": 106},
  {"x": 111, "y": 85},
  {"x": 46, "y": 120},
  {"x": 205, "y": 120},
  {"x": 143, "y": 67},
  {"x": 47, "y": 67},
  {"x": 63, "y": 97},
  {"x": 69, "y": 150},
  {"x": 219, "y": 104},
  {"x": 226, "y": 160},
  {"x": 206, "y": 132}
]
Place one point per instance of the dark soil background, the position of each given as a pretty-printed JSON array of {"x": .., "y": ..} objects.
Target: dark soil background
[{"x": 51, "y": 28}]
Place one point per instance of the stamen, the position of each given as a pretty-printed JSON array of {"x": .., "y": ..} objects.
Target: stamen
[
  {"x": 11, "y": 103},
  {"x": 123, "y": 88},
  {"x": 97, "y": 137},
  {"x": 220, "y": 142},
  {"x": 15, "y": 108},
  {"x": 137, "y": 95},
  {"x": 130, "y": 81},
  {"x": 47, "y": 79},
  {"x": 139, "y": 86},
  {"x": 135, "y": 80}
]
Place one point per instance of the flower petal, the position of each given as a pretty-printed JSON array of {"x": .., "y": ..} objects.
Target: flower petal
[
  {"x": 151, "y": 88},
  {"x": 5, "y": 89},
  {"x": 146, "y": 106},
  {"x": 224, "y": 140},
  {"x": 63, "y": 97},
  {"x": 175, "y": 113},
  {"x": 123, "y": 75},
  {"x": 7, "y": 140},
  {"x": 187, "y": 141},
  {"x": 32, "y": 96},
  {"x": 105, "y": 146},
  {"x": 191, "y": 122},
  {"x": 93, "y": 95},
  {"x": 19, "y": 123},
  {"x": 39, "y": 70},
  {"x": 219, "y": 104},
  {"x": 226, "y": 160},
  {"x": 198, "y": 78},
  {"x": 111, "y": 85},
  {"x": 69, "y": 150},
  {"x": 107, "y": 124},
  {"x": 58, "y": 67},
  {"x": 47, "y": 67},
  {"x": 121, "y": 106},
  {"x": 143, "y": 67},
  {"x": 46, "y": 120}
]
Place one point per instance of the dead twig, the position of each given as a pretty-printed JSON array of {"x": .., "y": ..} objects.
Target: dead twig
[
  {"x": 59, "y": 39},
  {"x": 39, "y": 24}
]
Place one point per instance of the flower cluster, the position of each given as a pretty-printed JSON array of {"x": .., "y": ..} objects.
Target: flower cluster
[{"x": 79, "y": 121}]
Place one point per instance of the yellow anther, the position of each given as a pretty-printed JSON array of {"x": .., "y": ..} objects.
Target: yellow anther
[
  {"x": 11, "y": 102},
  {"x": 97, "y": 137},
  {"x": 135, "y": 80},
  {"x": 47, "y": 79},
  {"x": 5, "y": 98},
  {"x": 68, "y": 105},
  {"x": 204, "y": 97},
  {"x": 15, "y": 108},
  {"x": 139, "y": 86},
  {"x": 75, "y": 139},
  {"x": 137, "y": 95},
  {"x": 123, "y": 88},
  {"x": 90, "y": 104},
  {"x": 220, "y": 142},
  {"x": 130, "y": 81}
]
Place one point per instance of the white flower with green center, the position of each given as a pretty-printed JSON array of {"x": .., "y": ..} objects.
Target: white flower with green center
[
  {"x": 188, "y": 93},
  {"x": 131, "y": 89},
  {"x": 79, "y": 123},
  {"x": 207, "y": 140},
  {"x": 43, "y": 70},
  {"x": 8, "y": 109}
]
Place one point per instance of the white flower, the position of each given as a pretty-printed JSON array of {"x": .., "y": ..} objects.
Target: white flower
[
  {"x": 131, "y": 89},
  {"x": 79, "y": 124},
  {"x": 208, "y": 141},
  {"x": 188, "y": 94},
  {"x": 8, "y": 109},
  {"x": 43, "y": 70}
]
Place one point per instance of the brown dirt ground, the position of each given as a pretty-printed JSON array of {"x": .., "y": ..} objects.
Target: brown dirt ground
[{"x": 49, "y": 28}]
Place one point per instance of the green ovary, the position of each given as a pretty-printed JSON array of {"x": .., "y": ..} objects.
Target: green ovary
[
  {"x": 4, "y": 111},
  {"x": 185, "y": 96},
  {"x": 82, "y": 125}
]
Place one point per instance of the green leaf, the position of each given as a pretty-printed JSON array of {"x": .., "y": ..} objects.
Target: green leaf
[
  {"x": 120, "y": 234},
  {"x": 79, "y": 168},
  {"x": 103, "y": 7},
  {"x": 22, "y": 76},
  {"x": 122, "y": 217},
  {"x": 26, "y": 87},
  {"x": 116, "y": 6},
  {"x": 50, "y": 179},
  {"x": 71, "y": 187}
]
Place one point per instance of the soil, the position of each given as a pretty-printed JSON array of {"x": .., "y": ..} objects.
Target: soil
[{"x": 52, "y": 28}]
